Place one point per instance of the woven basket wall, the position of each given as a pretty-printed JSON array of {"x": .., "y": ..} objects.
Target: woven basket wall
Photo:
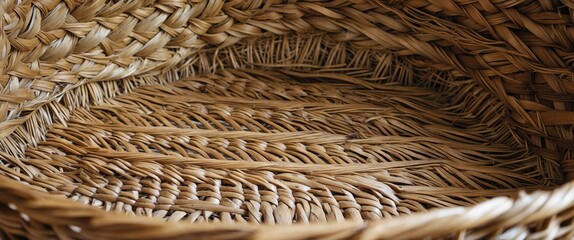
[{"x": 270, "y": 119}]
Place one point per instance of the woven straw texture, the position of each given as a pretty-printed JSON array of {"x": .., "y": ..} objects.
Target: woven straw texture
[{"x": 286, "y": 119}]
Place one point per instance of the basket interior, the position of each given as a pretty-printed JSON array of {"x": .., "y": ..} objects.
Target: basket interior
[{"x": 281, "y": 129}]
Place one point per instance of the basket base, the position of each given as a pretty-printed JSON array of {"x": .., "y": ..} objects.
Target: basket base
[{"x": 277, "y": 147}]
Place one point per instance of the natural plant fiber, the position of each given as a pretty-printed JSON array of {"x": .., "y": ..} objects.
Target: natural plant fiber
[{"x": 365, "y": 119}]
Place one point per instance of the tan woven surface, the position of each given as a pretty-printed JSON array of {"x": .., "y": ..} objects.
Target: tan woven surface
[{"x": 333, "y": 119}]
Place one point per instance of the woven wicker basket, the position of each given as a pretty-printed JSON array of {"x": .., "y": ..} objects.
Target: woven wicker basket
[{"x": 369, "y": 119}]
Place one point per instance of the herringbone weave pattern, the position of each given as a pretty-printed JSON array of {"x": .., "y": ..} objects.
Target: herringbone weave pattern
[{"x": 368, "y": 119}]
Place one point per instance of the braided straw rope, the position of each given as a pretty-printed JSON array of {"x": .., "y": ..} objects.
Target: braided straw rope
[{"x": 367, "y": 119}]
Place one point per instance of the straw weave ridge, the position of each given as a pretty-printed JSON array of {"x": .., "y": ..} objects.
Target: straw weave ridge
[{"x": 286, "y": 119}]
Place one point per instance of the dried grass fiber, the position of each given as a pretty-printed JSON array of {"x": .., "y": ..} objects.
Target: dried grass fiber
[{"x": 365, "y": 119}]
